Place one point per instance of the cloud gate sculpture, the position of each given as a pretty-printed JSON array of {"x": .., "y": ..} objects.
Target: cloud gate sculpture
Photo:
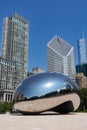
[{"x": 46, "y": 92}]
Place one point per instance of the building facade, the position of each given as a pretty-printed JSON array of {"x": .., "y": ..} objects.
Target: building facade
[
  {"x": 60, "y": 56},
  {"x": 82, "y": 68},
  {"x": 36, "y": 70},
  {"x": 14, "y": 57},
  {"x": 9, "y": 79},
  {"x": 82, "y": 51},
  {"x": 81, "y": 80},
  {"x": 15, "y": 41}
]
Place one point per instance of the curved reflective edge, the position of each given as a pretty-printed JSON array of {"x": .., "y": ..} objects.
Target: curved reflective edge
[
  {"x": 44, "y": 85},
  {"x": 20, "y": 97}
]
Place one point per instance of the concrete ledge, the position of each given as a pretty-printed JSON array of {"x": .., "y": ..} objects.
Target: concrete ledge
[{"x": 44, "y": 121}]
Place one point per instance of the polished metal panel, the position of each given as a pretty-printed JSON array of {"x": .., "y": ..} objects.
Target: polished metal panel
[{"x": 43, "y": 90}]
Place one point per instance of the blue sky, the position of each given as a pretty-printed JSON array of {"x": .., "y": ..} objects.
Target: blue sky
[{"x": 66, "y": 18}]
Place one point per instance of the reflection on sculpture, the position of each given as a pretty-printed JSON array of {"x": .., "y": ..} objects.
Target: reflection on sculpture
[{"x": 46, "y": 91}]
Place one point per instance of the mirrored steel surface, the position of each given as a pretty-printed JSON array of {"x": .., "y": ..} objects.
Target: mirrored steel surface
[{"x": 44, "y": 86}]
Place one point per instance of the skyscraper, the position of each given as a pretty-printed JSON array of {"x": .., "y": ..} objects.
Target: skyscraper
[
  {"x": 14, "y": 58},
  {"x": 15, "y": 41},
  {"x": 60, "y": 56},
  {"x": 82, "y": 51}
]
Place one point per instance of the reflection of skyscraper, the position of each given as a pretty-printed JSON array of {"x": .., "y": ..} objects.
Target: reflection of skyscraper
[
  {"x": 60, "y": 56},
  {"x": 14, "y": 58},
  {"x": 82, "y": 51}
]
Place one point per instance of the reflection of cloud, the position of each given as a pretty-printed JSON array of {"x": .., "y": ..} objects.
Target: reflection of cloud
[
  {"x": 64, "y": 88},
  {"x": 58, "y": 90},
  {"x": 48, "y": 85}
]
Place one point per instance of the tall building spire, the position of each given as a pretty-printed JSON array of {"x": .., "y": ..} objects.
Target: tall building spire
[
  {"x": 83, "y": 34},
  {"x": 82, "y": 50}
]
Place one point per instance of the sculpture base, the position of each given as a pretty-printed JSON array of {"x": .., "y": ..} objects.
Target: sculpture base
[{"x": 62, "y": 104}]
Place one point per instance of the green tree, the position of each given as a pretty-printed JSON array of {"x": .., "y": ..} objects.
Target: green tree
[
  {"x": 83, "y": 97},
  {"x": 6, "y": 106}
]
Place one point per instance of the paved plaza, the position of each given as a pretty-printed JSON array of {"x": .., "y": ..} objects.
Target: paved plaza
[{"x": 45, "y": 121}]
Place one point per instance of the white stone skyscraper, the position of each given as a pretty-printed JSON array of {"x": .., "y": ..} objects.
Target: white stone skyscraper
[{"x": 60, "y": 56}]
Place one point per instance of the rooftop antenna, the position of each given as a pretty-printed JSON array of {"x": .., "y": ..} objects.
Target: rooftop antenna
[{"x": 83, "y": 34}]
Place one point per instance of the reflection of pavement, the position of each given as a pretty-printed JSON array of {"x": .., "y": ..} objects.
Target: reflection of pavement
[
  {"x": 73, "y": 121},
  {"x": 47, "y": 103}
]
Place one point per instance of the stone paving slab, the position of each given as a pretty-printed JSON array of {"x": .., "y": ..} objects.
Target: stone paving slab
[{"x": 45, "y": 121}]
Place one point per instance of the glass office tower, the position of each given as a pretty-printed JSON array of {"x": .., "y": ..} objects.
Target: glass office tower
[
  {"x": 15, "y": 42},
  {"x": 82, "y": 51},
  {"x": 14, "y": 58},
  {"x": 60, "y": 57}
]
